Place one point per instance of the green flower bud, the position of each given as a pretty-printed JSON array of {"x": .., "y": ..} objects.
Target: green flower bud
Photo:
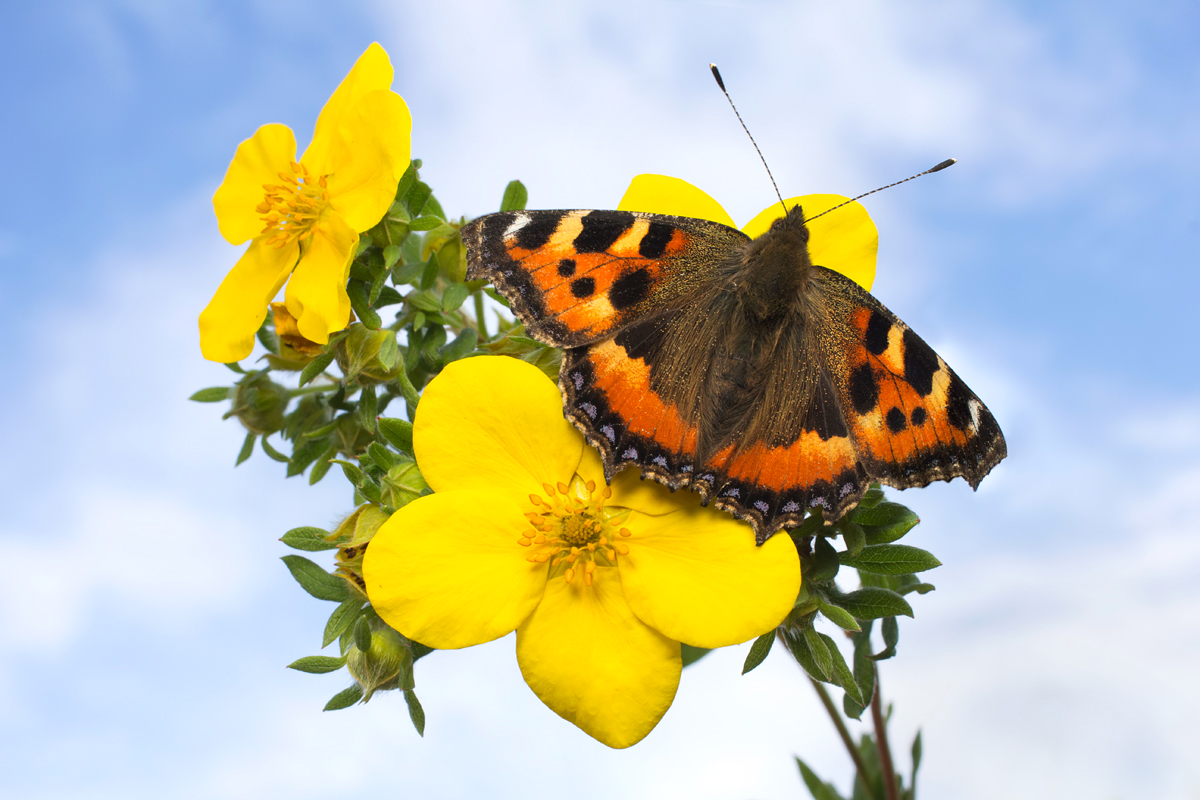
[
  {"x": 402, "y": 484},
  {"x": 387, "y": 664},
  {"x": 350, "y": 437},
  {"x": 259, "y": 403},
  {"x": 368, "y": 357}
]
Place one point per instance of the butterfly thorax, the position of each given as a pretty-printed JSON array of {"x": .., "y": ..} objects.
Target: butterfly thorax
[{"x": 774, "y": 269}]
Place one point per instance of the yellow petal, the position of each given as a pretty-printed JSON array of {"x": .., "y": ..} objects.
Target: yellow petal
[
  {"x": 370, "y": 151},
  {"x": 494, "y": 422},
  {"x": 696, "y": 576},
  {"x": 372, "y": 72},
  {"x": 845, "y": 241},
  {"x": 446, "y": 570},
  {"x": 662, "y": 194},
  {"x": 586, "y": 655},
  {"x": 316, "y": 294},
  {"x": 258, "y": 161},
  {"x": 228, "y": 323}
]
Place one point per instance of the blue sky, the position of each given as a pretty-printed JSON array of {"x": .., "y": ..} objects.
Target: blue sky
[{"x": 145, "y": 618}]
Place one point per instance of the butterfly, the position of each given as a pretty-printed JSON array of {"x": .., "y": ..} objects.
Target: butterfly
[{"x": 772, "y": 386}]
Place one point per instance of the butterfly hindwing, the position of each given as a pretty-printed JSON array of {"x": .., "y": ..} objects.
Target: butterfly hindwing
[{"x": 576, "y": 277}]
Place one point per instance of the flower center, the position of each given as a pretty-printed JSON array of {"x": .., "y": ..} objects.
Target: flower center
[
  {"x": 572, "y": 530},
  {"x": 291, "y": 209}
]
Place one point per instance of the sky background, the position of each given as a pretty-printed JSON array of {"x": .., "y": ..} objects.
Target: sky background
[{"x": 145, "y": 619}]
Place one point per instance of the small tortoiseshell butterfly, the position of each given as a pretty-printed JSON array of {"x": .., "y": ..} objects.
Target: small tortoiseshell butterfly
[{"x": 737, "y": 367}]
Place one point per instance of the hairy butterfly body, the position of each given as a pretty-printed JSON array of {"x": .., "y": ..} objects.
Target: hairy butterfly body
[{"x": 736, "y": 367}]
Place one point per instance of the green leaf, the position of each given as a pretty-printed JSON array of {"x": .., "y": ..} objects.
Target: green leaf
[
  {"x": 515, "y": 197},
  {"x": 886, "y": 522},
  {"x": 407, "y": 180},
  {"x": 691, "y": 654},
  {"x": 357, "y": 290},
  {"x": 872, "y": 498},
  {"x": 430, "y": 275},
  {"x": 425, "y": 223},
  {"x": 759, "y": 651},
  {"x": 873, "y": 602},
  {"x": 423, "y": 301},
  {"x": 367, "y": 405},
  {"x": 398, "y": 432},
  {"x": 317, "y": 665},
  {"x": 273, "y": 453},
  {"x": 236, "y": 367},
  {"x": 916, "y": 759},
  {"x": 416, "y": 197},
  {"x": 462, "y": 345},
  {"x": 841, "y": 671},
  {"x": 344, "y": 698},
  {"x": 308, "y": 538},
  {"x": 838, "y": 616},
  {"x": 315, "y": 367},
  {"x": 816, "y": 787},
  {"x": 824, "y": 562},
  {"x": 381, "y": 456},
  {"x": 247, "y": 448},
  {"x": 353, "y": 473},
  {"x": 362, "y": 634},
  {"x": 853, "y": 535},
  {"x": 391, "y": 254},
  {"x": 316, "y": 581},
  {"x": 891, "y": 559},
  {"x": 820, "y": 652},
  {"x": 415, "y": 712},
  {"x": 864, "y": 670},
  {"x": 213, "y": 394},
  {"x": 804, "y": 656},
  {"x": 268, "y": 339},
  {"x": 388, "y": 297},
  {"x": 322, "y": 465},
  {"x": 919, "y": 588},
  {"x": 454, "y": 296},
  {"x": 809, "y": 527}
]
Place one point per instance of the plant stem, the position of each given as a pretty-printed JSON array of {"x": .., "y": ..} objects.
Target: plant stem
[
  {"x": 480, "y": 324},
  {"x": 843, "y": 732},
  {"x": 881, "y": 741},
  {"x": 311, "y": 388}
]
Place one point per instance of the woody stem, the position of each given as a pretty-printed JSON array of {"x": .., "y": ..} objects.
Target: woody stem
[
  {"x": 843, "y": 732},
  {"x": 881, "y": 741}
]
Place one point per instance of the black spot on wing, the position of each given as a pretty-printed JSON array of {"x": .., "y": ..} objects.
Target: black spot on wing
[
  {"x": 864, "y": 389},
  {"x": 896, "y": 421},
  {"x": 537, "y": 231},
  {"x": 918, "y": 416},
  {"x": 630, "y": 289},
  {"x": 655, "y": 242},
  {"x": 920, "y": 363},
  {"x": 566, "y": 267},
  {"x": 876, "y": 338},
  {"x": 601, "y": 229},
  {"x": 583, "y": 287},
  {"x": 958, "y": 403}
]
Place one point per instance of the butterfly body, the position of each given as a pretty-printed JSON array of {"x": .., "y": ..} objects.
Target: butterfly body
[{"x": 736, "y": 367}]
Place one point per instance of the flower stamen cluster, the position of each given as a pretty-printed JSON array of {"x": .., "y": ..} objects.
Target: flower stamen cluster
[
  {"x": 292, "y": 209},
  {"x": 569, "y": 528}
]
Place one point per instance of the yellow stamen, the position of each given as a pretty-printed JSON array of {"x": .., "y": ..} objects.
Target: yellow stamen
[
  {"x": 626, "y": 532},
  {"x": 570, "y": 573}
]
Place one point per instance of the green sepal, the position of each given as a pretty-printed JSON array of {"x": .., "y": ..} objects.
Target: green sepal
[
  {"x": 416, "y": 197},
  {"x": 515, "y": 197},
  {"x": 345, "y": 698},
  {"x": 367, "y": 405},
  {"x": 308, "y": 538},
  {"x": 247, "y": 447},
  {"x": 454, "y": 296},
  {"x": 759, "y": 651},
  {"x": 873, "y": 602},
  {"x": 213, "y": 394},
  {"x": 317, "y": 665},
  {"x": 273, "y": 453},
  {"x": 391, "y": 254},
  {"x": 398, "y": 432},
  {"x": 890, "y": 559},
  {"x": 838, "y": 616},
  {"x": 406, "y": 181},
  {"x": 415, "y": 712},
  {"x": 315, "y": 367},
  {"x": 689, "y": 654},
  {"x": 362, "y": 634},
  {"x": 236, "y": 367},
  {"x": 316, "y": 581},
  {"x": 816, "y": 787}
]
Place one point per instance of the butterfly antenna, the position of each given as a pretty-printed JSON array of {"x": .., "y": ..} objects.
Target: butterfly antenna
[
  {"x": 938, "y": 168},
  {"x": 717, "y": 74}
]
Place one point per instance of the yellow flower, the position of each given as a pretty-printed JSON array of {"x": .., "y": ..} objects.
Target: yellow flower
[
  {"x": 845, "y": 241},
  {"x": 600, "y": 583},
  {"x": 306, "y": 215}
]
